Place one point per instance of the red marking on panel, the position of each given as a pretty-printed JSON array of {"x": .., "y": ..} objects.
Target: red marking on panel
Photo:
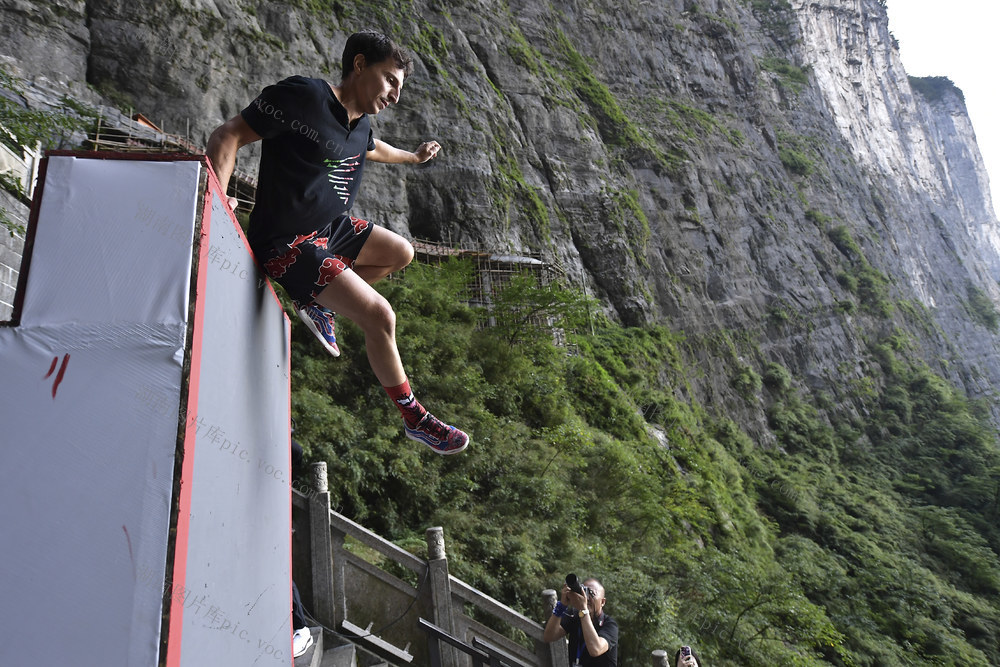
[
  {"x": 131, "y": 556},
  {"x": 60, "y": 374}
]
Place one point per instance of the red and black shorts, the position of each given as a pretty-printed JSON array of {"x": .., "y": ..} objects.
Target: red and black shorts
[{"x": 305, "y": 264}]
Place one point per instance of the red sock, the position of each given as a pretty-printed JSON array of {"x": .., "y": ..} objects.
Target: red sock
[{"x": 407, "y": 403}]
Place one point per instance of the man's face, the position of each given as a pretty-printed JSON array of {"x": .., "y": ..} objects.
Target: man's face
[
  {"x": 378, "y": 85},
  {"x": 595, "y": 596}
]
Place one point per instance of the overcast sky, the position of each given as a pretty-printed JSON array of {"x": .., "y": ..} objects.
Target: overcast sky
[{"x": 959, "y": 39}]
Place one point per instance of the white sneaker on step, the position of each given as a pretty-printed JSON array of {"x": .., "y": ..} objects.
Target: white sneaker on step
[{"x": 301, "y": 641}]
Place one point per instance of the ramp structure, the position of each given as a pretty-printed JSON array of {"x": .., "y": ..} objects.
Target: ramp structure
[{"x": 145, "y": 508}]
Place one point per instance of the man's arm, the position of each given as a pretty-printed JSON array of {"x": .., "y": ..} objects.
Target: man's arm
[
  {"x": 222, "y": 146},
  {"x": 390, "y": 154},
  {"x": 596, "y": 644},
  {"x": 553, "y": 629}
]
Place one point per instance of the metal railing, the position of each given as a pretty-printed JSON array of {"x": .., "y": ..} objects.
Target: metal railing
[
  {"x": 368, "y": 590},
  {"x": 391, "y": 589}
]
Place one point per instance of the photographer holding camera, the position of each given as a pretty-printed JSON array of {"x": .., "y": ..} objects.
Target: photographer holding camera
[
  {"x": 685, "y": 657},
  {"x": 579, "y": 616}
]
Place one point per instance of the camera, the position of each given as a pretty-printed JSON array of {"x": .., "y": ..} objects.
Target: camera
[
  {"x": 685, "y": 651},
  {"x": 574, "y": 584}
]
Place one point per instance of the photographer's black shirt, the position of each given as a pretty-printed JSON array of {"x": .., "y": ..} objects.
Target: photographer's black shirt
[
  {"x": 606, "y": 627},
  {"x": 311, "y": 159}
]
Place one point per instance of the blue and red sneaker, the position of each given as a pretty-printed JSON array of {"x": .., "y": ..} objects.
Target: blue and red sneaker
[
  {"x": 437, "y": 435},
  {"x": 320, "y": 322}
]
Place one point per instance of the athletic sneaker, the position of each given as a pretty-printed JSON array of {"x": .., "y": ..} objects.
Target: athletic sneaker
[
  {"x": 320, "y": 322},
  {"x": 301, "y": 641},
  {"x": 437, "y": 435}
]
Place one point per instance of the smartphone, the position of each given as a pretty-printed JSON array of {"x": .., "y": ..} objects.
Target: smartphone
[{"x": 685, "y": 651}]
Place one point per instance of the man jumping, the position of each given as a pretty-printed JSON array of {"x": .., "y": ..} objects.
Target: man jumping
[{"x": 316, "y": 139}]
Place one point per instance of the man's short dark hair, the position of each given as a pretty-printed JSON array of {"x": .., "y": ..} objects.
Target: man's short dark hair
[{"x": 375, "y": 47}]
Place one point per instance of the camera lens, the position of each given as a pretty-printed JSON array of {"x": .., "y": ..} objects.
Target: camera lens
[{"x": 574, "y": 584}]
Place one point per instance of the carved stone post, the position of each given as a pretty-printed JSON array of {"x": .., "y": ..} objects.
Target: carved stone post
[
  {"x": 660, "y": 658},
  {"x": 557, "y": 651},
  {"x": 321, "y": 549},
  {"x": 440, "y": 588},
  {"x": 435, "y": 543}
]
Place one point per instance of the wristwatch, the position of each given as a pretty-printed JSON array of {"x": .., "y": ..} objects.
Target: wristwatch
[{"x": 583, "y": 612}]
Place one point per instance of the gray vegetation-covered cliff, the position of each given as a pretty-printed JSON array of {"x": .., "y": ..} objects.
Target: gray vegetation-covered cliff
[
  {"x": 717, "y": 165},
  {"x": 760, "y": 176}
]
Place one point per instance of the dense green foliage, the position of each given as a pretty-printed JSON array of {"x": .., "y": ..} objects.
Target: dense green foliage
[
  {"x": 21, "y": 127},
  {"x": 12, "y": 226},
  {"x": 860, "y": 277},
  {"x": 981, "y": 308},
  {"x": 796, "y": 154},
  {"x": 794, "y": 77},
  {"x": 934, "y": 88},
  {"x": 858, "y": 540},
  {"x": 24, "y": 127}
]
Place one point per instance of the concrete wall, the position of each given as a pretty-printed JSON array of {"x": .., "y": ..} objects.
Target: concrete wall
[
  {"x": 11, "y": 248},
  {"x": 92, "y": 383},
  {"x": 233, "y": 554},
  {"x": 145, "y": 332}
]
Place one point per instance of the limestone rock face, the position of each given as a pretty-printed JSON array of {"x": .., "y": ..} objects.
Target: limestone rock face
[
  {"x": 47, "y": 38},
  {"x": 699, "y": 164}
]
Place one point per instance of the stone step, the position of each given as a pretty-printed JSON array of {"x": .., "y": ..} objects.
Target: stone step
[
  {"x": 314, "y": 654},
  {"x": 341, "y": 656}
]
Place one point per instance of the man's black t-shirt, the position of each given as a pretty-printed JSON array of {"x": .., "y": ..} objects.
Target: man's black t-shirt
[
  {"x": 311, "y": 159},
  {"x": 606, "y": 627}
]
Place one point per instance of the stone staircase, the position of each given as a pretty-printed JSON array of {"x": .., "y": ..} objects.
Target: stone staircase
[
  {"x": 350, "y": 578},
  {"x": 344, "y": 655}
]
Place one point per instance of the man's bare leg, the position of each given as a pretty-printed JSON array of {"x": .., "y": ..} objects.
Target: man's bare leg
[
  {"x": 383, "y": 253},
  {"x": 352, "y": 297}
]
